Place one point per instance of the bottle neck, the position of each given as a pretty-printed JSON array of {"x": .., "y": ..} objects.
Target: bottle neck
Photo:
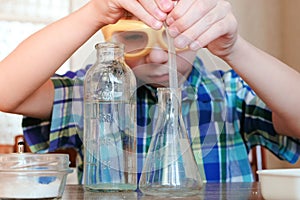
[{"x": 108, "y": 52}]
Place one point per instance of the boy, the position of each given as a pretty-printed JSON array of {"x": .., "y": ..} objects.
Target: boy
[{"x": 219, "y": 107}]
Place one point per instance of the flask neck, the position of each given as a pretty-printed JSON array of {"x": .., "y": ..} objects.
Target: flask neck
[{"x": 169, "y": 99}]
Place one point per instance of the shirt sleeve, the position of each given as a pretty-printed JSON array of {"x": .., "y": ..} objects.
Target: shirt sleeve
[
  {"x": 67, "y": 114},
  {"x": 65, "y": 127},
  {"x": 257, "y": 127}
]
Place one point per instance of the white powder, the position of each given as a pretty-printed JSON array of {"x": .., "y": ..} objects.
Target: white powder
[{"x": 28, "y": 189}]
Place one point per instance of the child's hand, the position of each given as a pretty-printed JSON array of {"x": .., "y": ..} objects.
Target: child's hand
[
  {"x": 203, "y": 23},
  {"x": 110, "y": 11}
]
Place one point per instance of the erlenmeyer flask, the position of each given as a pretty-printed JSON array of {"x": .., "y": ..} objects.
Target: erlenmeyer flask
[{"x": 170, "y": 167}]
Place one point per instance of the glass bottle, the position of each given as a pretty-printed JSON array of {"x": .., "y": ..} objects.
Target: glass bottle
[
  {"x": 110, "y": 122},
  {"x": 170, "y": 167}
]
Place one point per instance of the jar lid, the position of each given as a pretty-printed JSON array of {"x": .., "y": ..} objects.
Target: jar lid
[{"x": 34, "y": 162}]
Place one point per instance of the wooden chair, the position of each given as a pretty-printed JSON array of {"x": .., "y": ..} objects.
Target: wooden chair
[
  {"x": 257, "y": 158},
  {"x": 6, "y": 148},
  {"x": 20, "y": 138}
]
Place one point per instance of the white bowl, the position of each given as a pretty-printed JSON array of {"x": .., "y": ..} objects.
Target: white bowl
[
  {"x": 280, "y": 183},
  {"x": 33, "y": 176}
]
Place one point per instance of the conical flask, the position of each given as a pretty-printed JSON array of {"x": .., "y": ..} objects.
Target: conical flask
[{"x": 170, "y": 167}]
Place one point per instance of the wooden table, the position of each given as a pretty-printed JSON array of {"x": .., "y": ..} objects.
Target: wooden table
[{"x": 231, "y": 191}]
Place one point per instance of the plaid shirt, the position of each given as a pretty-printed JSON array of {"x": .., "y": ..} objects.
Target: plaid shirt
[{"x": 223, "y": 116}]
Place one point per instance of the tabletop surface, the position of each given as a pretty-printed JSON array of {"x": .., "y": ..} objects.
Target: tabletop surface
[{"x": 209, "y": 191}]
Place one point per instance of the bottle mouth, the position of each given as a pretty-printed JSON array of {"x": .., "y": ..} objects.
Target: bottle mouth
[{"x": 114, "y": 45}]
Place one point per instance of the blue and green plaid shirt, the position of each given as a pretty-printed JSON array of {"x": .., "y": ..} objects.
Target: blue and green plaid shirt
[{"x": 223, "y": 116}]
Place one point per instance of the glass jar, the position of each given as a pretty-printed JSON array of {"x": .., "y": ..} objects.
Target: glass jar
[
  {"x": 33, "y": 176},
  {"x": 110, "y": 122},
  {"x": 170, "y": 168}
]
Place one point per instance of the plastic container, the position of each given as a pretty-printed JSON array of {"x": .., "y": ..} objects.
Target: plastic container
[
  {"x": 280, "y": 183},
  {"x": 33, "y": 176}
]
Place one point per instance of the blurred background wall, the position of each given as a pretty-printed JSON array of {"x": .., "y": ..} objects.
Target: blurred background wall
[{"x": 272, "y": 25}]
